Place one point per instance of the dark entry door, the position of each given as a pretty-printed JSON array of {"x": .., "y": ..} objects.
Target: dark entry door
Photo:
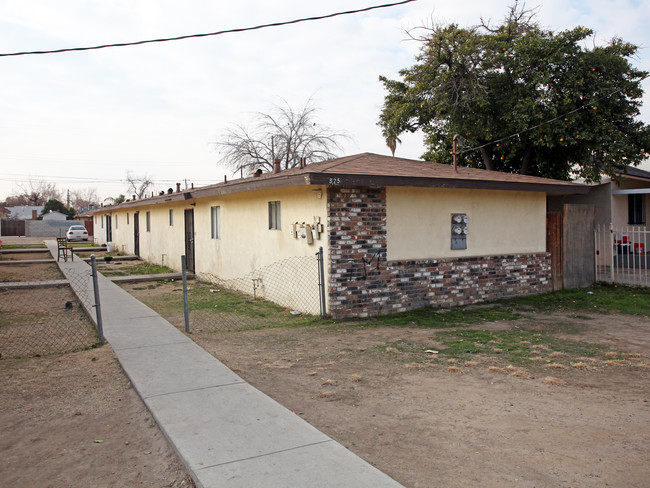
[
  {"x": 189, "y": 239},
  {"x": 136, "y": 233},
  {"x": 109, "y": 229}
]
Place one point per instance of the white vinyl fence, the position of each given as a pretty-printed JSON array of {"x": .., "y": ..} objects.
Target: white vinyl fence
[{"x": 621, "y": 255}]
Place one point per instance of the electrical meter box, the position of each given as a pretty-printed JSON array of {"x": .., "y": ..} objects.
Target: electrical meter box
[{"x": 459, "y": 230}]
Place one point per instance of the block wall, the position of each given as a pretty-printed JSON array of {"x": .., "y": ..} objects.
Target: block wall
[{"x": 364, "y": 283}]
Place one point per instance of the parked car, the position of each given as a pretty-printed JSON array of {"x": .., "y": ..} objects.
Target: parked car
[{"x": 77, "y": 233}]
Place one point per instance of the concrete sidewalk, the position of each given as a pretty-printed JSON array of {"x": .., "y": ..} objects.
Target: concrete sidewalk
[{"x": 227, "y": 433}]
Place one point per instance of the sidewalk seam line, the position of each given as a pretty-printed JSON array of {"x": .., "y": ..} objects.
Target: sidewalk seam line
[
  {"x": 134, "y": 318},
  {"x": 267, "y": 454},
  {"x": 242, "y": 382},
  {"x": 148, "y": 346}
]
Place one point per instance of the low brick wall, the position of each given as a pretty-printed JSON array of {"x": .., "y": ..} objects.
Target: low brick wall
[
  {"x": 363, "y": 283},
  {"x": 398, "y": 286}
]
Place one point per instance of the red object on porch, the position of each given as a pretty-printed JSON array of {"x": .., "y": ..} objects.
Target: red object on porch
[{"x": 639, "y": 248}]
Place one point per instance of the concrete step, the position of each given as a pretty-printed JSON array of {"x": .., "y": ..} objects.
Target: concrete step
[
  {"x": 150, "y": 277},
  {"x": 18, "y": 285}
]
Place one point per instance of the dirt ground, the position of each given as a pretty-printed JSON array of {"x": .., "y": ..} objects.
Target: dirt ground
[
  {"x": 424, "y": 421},
  {"x": 24, "y": 256},
  {"x": 430, "y": 421},
  {"x": 17, "y": 271},
  {"x": 75, "y": 420},
  {"x": 433, "y": 423}
]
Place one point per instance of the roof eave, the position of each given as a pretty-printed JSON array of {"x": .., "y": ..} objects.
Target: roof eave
[
  {"x": 344, "y": 179},
  {"x": 432, "y": 182}
]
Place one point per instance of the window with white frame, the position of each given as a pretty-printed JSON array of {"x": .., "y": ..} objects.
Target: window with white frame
[
  {"x": 116, "y": 222},
  {"x": 215, "y": 222},
  {"x": 171, "y": 217},
  {"x": 127, "y": 218},
  {"x": 274, "y": 215},
  {"x": 148, "y": 221}
]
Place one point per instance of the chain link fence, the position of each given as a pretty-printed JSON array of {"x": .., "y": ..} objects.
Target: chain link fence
[
  {"x": 38, "y": 319},
  {"x": 284, "y": 293}
]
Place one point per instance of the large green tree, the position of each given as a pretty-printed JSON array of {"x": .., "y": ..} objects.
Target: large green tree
[
  {"x": 522, "y": 99},
  {"x": 55, "y": 205}
]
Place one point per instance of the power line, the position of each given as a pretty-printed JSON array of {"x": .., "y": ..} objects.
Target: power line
[
  {"x": 81, "y": 179},
  {"x": 528, "y": 129},
  {"x": 218, "y": 33}
]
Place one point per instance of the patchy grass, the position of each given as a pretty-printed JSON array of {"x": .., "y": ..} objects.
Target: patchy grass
[
  {"x": 436, "y": 318},
  {"x": 140, "y": 268},
  {"x": 77, "y": 244},
  {"x": 87, "y": 254},
  {"x": 223, "y": 309},
  {"x": 600, "y": 298},
  {"x": 455, "y": 333},
  {"x": 515, "y": 347},
  {"x": 232, "y": 302},
  {"x": 23, "y": 246}
]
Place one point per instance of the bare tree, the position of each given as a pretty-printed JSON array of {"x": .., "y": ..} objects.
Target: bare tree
[
  {"x": 82, "y": 199},
  {"x": 138, "y": 185},
  {"x": 283, "y": 134},
  {"x": 34, "y": 192}
]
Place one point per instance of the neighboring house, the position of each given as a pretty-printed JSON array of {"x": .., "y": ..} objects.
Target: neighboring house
[
  {"x": 622, "y": 204},
  {"x": 397, "y": 234},
  {"x": 87, "y": 220},
  {"x": 25, "y": 212},
  {"x": 620, "y": 217},
  {"x": 55, "y": 215}
]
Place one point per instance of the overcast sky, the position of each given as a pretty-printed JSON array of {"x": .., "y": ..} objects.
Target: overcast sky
[{"x": 85, "y": 119}]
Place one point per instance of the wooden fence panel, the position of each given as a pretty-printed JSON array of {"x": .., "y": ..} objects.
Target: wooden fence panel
[
  {"x": 554, "y": 240},
  {"x": 579, "y": 246},
  {"x": 13, "y": 227}
]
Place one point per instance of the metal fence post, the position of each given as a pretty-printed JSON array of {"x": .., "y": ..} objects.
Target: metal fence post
[
  {"x": 185, "y": 307},
  {"x": 98, "y": 308},
  {"x": 321, "y": 282}
]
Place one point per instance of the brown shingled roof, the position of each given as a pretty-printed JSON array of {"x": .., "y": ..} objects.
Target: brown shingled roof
[{"x": 369, "y": 169}]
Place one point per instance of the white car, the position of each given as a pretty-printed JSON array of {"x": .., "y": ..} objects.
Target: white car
[{"x": 77, "y": 233}]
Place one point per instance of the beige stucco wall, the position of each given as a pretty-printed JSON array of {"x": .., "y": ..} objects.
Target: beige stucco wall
[
  {"x": 501, "y": 222},
  {"x": 620, "y": 213},
  {"x": 600, "y": 196},
  {"x": 246, "y": 243}
]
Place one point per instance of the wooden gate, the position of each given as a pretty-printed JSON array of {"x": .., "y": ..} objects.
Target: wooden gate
[
  {"x": 90, "y": 227},
  {"x": 579, "y": 248},
  {"x": 13, "y": 227},
  {"x": 554, "y": 240},
  {"x": 570, "y": 240}
]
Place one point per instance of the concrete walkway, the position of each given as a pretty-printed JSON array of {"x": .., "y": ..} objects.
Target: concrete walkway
[{"x": 227, "y": 433}]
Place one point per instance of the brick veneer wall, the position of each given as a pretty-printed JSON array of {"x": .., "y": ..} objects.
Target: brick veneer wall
[{"x": 363, "y": 283}]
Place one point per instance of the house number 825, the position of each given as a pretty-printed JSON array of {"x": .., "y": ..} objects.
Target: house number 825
[{"x": 335, "y": 181}]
